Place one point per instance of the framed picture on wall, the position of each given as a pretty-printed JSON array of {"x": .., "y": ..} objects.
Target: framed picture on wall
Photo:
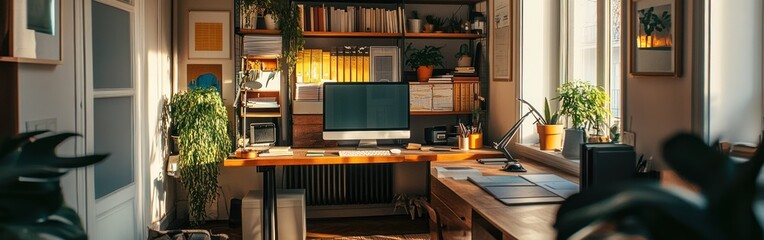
[
  {"x": 30, "y": 31},
  {"x": 655, "y": 39},
  {"x": 209, "y": 34}
]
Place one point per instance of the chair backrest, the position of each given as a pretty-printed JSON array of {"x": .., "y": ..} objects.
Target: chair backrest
[{"x": 436, "y": 229}]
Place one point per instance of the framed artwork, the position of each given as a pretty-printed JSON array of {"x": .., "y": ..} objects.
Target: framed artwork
[
  {"x": 209, "y": 34},
  {"x": 655, "y": 39},
  {"x": 30, "y": 31},
  {"x": 205, "y": 76}
]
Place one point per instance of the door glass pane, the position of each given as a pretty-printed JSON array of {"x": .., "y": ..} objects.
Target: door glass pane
[
  {"x": 112, "y": 58},
  {"x": 583, "y": 22},
  {"x": 113, "y": 134}
]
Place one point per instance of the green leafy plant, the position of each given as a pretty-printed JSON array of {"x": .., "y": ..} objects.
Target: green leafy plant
[
  {"x": 464, "y": 50},
  {"x": 453, "y": 23},
  {"x": 31, "y": 202},
  {"x": 286, "y": 15},
  {"x": 201, "y": 121},
  {"x": 414, "y": 14},
  {"x": 437, "y": 22},
  {"x": 652, "y": 22},
  {"x": 584, "y": 103},
  {"x": 429, "y": 55}
]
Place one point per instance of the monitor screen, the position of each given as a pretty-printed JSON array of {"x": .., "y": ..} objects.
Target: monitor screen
[{"x": 368, "y": 110}]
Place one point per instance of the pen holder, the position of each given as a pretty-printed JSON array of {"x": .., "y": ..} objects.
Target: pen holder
[
  {"x": 464, "y": 143},
  {"x": 476, "y": 140}
]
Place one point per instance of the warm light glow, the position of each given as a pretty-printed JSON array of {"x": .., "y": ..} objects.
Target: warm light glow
[{"x": 646, "y": 42}]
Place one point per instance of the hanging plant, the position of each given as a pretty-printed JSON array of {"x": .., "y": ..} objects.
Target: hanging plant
[
  {"x": 201, "y": 121},
  {"x": 288, "y": 19}
]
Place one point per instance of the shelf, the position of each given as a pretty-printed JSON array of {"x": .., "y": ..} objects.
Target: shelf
[
  {"x": 444, "y": 35},
  {"x": 451, "y": 2},
  {"x": 352, "y": 34},
  {"x": 263, "y": 114},
  {"x": 437, "y": 113},
  {"x": 244, "y": 31}
]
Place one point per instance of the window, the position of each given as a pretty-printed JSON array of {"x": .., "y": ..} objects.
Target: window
[
  {"x": 566, "y": 41},
  {"x": 583, "y": 61}
]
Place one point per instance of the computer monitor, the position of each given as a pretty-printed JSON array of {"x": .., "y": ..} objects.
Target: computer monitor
[{"x": 366, "y": 111}]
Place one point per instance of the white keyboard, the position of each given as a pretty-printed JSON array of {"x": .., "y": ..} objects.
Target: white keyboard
[{"x": 360, "y": 153}]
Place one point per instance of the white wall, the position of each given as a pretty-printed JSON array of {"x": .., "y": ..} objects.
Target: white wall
[
  {"x": 159, "y": 191},
  {"x": 735, "y": 76},
  {"x": 502, "y": 109},
  {"x": 48, "y": 91}
]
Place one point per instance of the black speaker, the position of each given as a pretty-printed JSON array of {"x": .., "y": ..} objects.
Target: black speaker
[
  {"x": 234, "y": 219},
  {"x": 262, "y": 133}
]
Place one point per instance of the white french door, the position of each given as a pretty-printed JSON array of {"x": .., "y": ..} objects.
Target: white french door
[{"x": 113, "y": 98}]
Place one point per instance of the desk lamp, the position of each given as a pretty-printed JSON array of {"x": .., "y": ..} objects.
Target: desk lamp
[
  {"x": 246, "y": 79},
  {"x": 512, "y": 165}
]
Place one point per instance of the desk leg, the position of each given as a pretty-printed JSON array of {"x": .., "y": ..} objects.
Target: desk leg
[
  {"x": 269, "y": 202},
  {"x": 427, "y": 181}
]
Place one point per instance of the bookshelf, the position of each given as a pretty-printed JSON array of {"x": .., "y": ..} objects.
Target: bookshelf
[{"x": 324, "y": 33}]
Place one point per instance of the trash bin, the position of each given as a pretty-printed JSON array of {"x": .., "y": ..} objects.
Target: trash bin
[{"x": 291, "y": 214}]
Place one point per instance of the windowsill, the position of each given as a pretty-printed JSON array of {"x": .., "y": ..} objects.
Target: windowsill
[{"x": 551, "y": 158}]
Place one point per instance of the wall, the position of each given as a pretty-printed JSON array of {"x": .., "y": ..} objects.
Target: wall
[
  {"x": 735, "y": 75},
  {"x": 159, "y": 191},
  {"x": 48, "y": 92},
  {"x": 502, "y": 109},
  {"x": 657, "y": 107}
]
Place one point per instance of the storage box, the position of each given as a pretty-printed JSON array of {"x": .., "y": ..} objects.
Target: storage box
[{"x": 290, "y": 218}]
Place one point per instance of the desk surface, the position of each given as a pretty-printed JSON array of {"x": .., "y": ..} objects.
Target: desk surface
[
  {"x": 516, "y": 222},
  {"x": 332, "y": 157}
]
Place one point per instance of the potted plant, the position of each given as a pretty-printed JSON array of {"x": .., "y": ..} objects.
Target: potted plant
[
  {"x": 415, "y": 24},
  {"x": 201, "y": 121},
  {"x": 463, "y": 56},
  {"x": 424, "y": 60},
  {"x": 433, "y": 24},
  {"x": 548, "y": 126},
  {"x": 587, "y": 106},
  {"x": 287, "y": 19}
]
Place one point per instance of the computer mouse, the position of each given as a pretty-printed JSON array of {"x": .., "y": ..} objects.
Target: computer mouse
[{"x": 395, "y": 151}]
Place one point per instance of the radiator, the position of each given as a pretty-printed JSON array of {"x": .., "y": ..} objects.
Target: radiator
[{"x": 342, "y": 184}]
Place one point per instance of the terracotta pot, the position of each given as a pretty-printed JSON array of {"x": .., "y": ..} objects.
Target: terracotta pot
[
  {"x": 464, "y": 61},
  {"x": 270, "y": 23},
  {"x": 550, "y": 136},
  {"x": 428, "y": 28},
  {"x": 424, "y": 73}
]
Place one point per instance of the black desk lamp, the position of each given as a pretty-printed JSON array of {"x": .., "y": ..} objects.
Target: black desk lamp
[{"x": 512, "y": 165}]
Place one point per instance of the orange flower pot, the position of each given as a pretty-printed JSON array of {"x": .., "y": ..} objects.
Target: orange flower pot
[
  {"x": 550, "y": 136},
  {"x": 424, "y": 73}
]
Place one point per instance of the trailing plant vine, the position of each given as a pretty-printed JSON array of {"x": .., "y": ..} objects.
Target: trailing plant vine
[{"x": 201, "y": 121}]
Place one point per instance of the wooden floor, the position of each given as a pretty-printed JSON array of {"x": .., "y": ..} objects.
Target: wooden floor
[{"x": 384, "y": 227}]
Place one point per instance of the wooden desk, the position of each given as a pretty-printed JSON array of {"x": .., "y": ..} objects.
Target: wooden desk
[
  {"x": 466, "y": 209},
  {"x": 267, "y": 166}
]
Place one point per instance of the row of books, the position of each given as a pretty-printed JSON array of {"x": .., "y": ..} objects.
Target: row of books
[
  {"x": 457, "y": 97},
  {"x": 341, "y": 64},
  {"x": 453, "y": 78},
  {"x": 350, "y": 19}
]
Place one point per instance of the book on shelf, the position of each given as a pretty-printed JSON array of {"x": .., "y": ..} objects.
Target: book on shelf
[
  {"x": 465, "y": 79},
  {"x": 439, "y": 79},
  {"x": 320, "y": 18}
]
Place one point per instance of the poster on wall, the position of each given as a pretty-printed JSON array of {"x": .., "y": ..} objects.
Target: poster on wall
[
  {"x": 209, "y": 34},
  {"x": 656, "y": 41},
  {"x": 501, "y": 13},
  {"x": 205, "y": 76}
]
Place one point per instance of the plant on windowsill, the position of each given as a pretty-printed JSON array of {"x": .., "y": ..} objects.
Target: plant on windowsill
[
  {"x": 424, "y": 60},
  {"x": 202, "y": 123},
  {"x": 587, "y": 106},
  {"x": 548, "y": 126}
]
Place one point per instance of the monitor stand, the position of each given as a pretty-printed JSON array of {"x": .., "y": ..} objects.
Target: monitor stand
[{"x": 367, "y": 144}]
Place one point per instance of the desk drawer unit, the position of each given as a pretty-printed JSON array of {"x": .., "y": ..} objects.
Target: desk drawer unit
[
  {"x": 454, "y": 211},
  {"x": 307, "y": 131}
]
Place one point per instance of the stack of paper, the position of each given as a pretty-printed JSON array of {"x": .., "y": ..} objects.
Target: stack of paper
[
  {"x": 278, "y": 151},
  {"x": 442, "y": 97},
  {"x": 309, "y": 91},
  {"x": 262, "y": 102},
  {"x": 420, "y": 96}
]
